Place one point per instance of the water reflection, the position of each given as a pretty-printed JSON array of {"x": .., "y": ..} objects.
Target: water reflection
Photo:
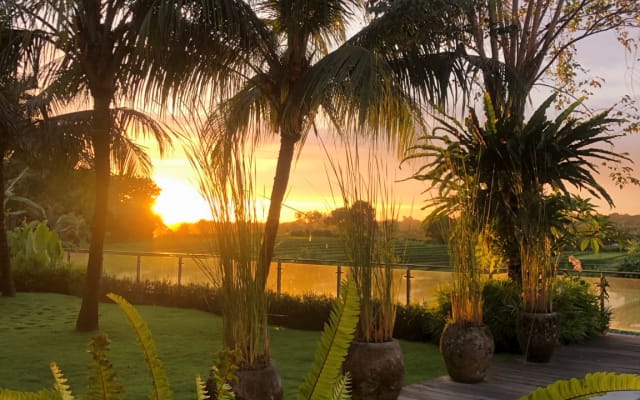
[{"x": 299, "y": 279}]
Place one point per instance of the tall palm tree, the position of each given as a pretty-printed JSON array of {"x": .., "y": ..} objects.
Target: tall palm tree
[
  {"x": 284, "y": 65},
  {"x": 19, "y": 56},
  {"x": 102, "y": 61}
]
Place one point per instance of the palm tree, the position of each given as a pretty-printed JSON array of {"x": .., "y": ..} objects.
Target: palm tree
[
  {"x": 282, "y": 66},
  {"x": 541, "y": 158},
  {"x": 100, "y": 40},
  {"x": 19, "y": 55}
]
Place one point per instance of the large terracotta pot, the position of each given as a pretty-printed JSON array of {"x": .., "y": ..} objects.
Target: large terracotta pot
[
  {"x": 258, "y": 384},
  {"x": 467, "y": 349},
  {"x": 377, "y": 370},
  {"x": 537, "y": 335}
]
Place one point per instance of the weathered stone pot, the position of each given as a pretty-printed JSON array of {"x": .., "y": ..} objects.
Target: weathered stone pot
[
  {"x": 467, "y": 349},
  {"x": 537, "y": 335},
  {"x": 258, "y": 384},
  {"x": 377, "y": 370}
]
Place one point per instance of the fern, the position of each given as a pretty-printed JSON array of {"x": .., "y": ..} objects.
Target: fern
[
  {"x": 333, "y": 347},
  {"x": 6, "y": 394},
  {"x": 161, "y": 389},
  {"x": 342, "y": 389},
  {"x": 102, "y": 375},
  {"x": 201, "y": 390},
  {"x": 592, "y": 384},
  {"x": 60, "y": 383}
]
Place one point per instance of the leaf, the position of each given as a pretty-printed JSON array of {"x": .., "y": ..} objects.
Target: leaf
[
  {"x": 201, "y": 390},
  {"x": 161, "y": 389},
  {"x": 342, "y": 390},
  {"x": 60, "y": 383},
  {"x": 592, "y": 384},
  {"x": 333, "y": 347},
  {"x": 102, "y": 375}
]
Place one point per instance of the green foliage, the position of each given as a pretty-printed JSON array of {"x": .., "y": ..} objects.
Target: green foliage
[
  {"x": 60, "y": 383},
  {"x": 597, "y": 383},
  {"x": 502, "y": 303},
  {"x": 161, "y": 389},
  {"x": 104, "y": 384},
  {"x": 578, "y": 308},
  {"x": 323, "y": 379},
  {"x": 35, "y": 245},
  {"x": 223, "y": 374}
]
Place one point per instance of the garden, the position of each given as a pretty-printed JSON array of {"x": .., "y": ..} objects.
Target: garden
[{"x": 448, "y": 87}]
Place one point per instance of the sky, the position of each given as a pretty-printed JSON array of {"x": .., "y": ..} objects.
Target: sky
[{"x": 309, "y": 186}]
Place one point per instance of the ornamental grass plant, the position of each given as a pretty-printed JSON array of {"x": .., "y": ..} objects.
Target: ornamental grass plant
[
  {"x": 368, "y": 226},
  {"x": 225, "y": 172}
]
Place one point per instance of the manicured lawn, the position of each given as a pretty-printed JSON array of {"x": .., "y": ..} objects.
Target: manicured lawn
[{"x": 37, "y": 328}]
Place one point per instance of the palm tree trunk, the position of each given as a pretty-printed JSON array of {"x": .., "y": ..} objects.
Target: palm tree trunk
[
  {"x": 280, "y": 184},
  {"x": 7, "y": 285},
  {"x": 88, "y": 316}
]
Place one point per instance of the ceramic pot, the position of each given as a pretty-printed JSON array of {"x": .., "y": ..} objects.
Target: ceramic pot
[{"x": 467, "y": 349}]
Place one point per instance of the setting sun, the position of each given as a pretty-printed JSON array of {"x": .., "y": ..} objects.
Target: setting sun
[{"x": 179, "y": 202}]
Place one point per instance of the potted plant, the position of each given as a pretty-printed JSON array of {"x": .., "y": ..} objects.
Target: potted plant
[
  {"x": 466, "y": 343},
  {"x": 537, "y": 326},
  {"x": 375, "y": 361},
  {"x": 224, "y": 172}
]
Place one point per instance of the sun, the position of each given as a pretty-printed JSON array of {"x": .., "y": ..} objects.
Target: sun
[{"x": 179, "y": 201}]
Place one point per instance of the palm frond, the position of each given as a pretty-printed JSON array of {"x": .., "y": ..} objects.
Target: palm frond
[
  {"x": 6, "y": 394},
  {"x": 160, "y": 382},
  {"x": 334, "y": 344},
  {"x": 105, "y": 385},
  {"x": 597, "y": 383},
  {"x": 60, "y": 383}
]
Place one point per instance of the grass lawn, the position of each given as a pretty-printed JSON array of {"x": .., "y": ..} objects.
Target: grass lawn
[{"x": 37, "y": 328}]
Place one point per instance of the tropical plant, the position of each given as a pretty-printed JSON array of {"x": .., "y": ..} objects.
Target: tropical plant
[
  {"x": 518, "y": 162},
  {"x": 593, "y": 384},
  {"x": 103, "y": 61},
  {"x": 324, "y": 380},
  {"x": 34, "y": 245},
  {"x": 19, "y": 60},
  {"x": 225, "y": 178},
  {"x": 368, "y": 231},
  {"x": 278, "y": 67}
]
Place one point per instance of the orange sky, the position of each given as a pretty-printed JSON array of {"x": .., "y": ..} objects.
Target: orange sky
[{"x": 309, "y": 188}]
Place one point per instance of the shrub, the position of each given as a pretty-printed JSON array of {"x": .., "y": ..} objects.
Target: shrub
[
  {"x": 579, "y": 311},
  {"x": 502, "y": 303},
  {"x": 307, "y": 312},
  {"x": 575, "y": 302}
]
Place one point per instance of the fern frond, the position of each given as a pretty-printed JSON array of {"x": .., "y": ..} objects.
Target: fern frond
[
  {"x": 201, "y": 389},
  {"x": 60, "y": 382},
  {"x": 592, "y": 384},
  {"x": 101, "y": 373},
  {"x": 342, "y": 390},
  {"x": 161, "y": 389},
  {"x": 333, "y": 347},
  {"x": 6, "y": 394}
]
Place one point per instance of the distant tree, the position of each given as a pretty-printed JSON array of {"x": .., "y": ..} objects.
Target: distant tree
[
  {"x": 438, "y": 228},
  {"x": 130, "y": 208}
]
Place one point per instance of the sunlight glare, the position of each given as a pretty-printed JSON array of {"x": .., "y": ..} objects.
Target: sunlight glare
[{"x": 179, "y": 201}]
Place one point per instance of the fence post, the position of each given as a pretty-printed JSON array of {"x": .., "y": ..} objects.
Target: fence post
[
  {"x": 179, "y": 270},
  {"x": 338, "y": 280},
  {"x": 138, "y": 269},
  {"x": 279, "y": 278},
  {"x": 408, "y": 276},
  {"x": 68, "y": 256}
]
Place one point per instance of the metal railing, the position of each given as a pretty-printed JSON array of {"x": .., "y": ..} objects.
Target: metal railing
[
  {"x": 180, "y": 257},
  {"x": 407, "y": 268}
]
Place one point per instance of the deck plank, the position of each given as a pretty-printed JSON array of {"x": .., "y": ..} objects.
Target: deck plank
[{"x": 512, "y": 378}]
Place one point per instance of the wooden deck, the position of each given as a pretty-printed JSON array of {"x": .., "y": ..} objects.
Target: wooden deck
[{"x": 513, "y": 378}]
